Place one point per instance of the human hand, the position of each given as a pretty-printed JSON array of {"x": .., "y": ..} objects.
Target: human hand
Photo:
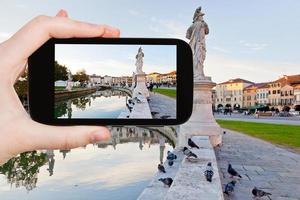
[{"x": 18, "y": 133}]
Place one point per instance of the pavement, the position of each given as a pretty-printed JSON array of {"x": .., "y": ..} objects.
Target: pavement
[
  {"x": 162, "y": 105},
  {"x": 272, "y": 120},
  {"x": 261, "y": 164}
]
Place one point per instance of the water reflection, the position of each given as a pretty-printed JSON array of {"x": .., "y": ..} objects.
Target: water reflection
[
  {"x": 124, "y": 163},
  {"x": 100, "y": 104}
]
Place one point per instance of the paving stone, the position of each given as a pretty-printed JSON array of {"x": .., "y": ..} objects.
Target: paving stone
[{"x": 264, "y": 165}]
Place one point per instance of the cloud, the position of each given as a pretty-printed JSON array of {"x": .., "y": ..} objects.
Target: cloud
[
  {"x": 220, "y": 49},
  {"x": 134, "y": 12},
  {"x": 169, "y": 28},
  {"x": 224, "y": 67},
  {"x": 254, "y": 46}
]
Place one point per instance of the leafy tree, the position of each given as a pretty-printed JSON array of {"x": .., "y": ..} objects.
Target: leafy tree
[
  {"x": 23, "y": 169},
  {"x": 60, "y": 72},
  {"x": 81, "y": 76}
]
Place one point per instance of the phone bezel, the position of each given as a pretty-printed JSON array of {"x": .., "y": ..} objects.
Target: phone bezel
[{"x": 41, "y": 82}]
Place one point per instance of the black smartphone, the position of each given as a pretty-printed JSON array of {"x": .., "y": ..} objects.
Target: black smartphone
[{"x": 106, "y": 81}]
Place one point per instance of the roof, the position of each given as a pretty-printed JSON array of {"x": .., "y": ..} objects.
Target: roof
[
  {"x": 256, "y": 86},
  {"x": 293, "y": 79},
  {"x": 153, "y": 73},
  {"x": 296, "y": 86},
  {"x": 236, "y": 80},
  {"x": 262, "y": 85}
]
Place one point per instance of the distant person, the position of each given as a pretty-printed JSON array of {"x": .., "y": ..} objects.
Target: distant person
[{"x": 18, "y": 132}]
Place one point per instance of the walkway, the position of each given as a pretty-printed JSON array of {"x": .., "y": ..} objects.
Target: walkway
[
  {"x": 261, "y": 164},
  {"x": 161, "y": 105},
  {"x": 271, "y": 120}
]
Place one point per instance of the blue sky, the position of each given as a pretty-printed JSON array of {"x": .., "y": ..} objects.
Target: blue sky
[
  {"x": 115, "y": 60},
  {"x": 256, "y": 40}
]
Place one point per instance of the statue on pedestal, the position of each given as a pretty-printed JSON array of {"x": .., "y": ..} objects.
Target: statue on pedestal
[
  {"x": 202, "y": 121},
  {"x": 139, "y": 61},
  {"x": 196, "y": 34}
]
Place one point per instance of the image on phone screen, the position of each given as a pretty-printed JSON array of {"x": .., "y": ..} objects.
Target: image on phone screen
[{"x": 115, "y": 81}]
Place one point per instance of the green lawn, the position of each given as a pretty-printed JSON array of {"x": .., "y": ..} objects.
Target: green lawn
[
  {"x": 167, "y": 92},
  {"x": 287, "y": 135}
]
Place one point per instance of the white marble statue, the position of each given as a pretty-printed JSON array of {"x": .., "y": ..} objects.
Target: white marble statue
[
  {"x": 69, "y": 81},
  {"x": 139, "y": 61},
  {"x": 196, "y": 34}
]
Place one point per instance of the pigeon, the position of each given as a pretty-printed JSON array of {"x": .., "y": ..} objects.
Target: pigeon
[
  {"x": 171, "y": 156},
  {"x": 161, "y": 168},
  {"x": 192, "y": 144},
  {"x": 188, "y": 153},
  {"x": 170, "y": 162},
  {"x": 166, "y": 181},
  {"x": 232, "y": 171},
  {"x": 209, "y": 172},
  {"x": 229, "y": 187},
  {"x": 260, "y": 193}
]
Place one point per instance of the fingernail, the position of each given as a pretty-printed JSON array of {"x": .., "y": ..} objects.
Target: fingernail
[{"x": 99, "y": 135}]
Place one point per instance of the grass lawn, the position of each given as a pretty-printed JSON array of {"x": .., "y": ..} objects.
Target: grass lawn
[
  {"x": 286, "y": 135},
  {"x": 167, "y": 92}
]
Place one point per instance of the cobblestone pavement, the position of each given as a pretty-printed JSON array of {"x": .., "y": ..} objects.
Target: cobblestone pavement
[
  {"x": 261, "y": 164},
  {"x": 162, "y": 105},
  {"x": 273, "y": 120}
]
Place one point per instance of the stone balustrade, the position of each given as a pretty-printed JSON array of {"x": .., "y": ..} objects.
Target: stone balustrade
[{"x": 189, "y": 182}]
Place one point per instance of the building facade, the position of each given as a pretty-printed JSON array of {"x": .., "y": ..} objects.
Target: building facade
[
  {"x": 262, "y": 94},
  {"x": 230, "y": 93}
]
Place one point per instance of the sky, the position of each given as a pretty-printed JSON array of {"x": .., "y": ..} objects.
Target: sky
[
  {"x": 256, "y": 40},
  {"x": 115, "y": 60}
]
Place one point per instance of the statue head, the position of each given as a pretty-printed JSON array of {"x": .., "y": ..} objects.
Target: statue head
[
  {"x": 198, "y": 14},
  {"x": 140, "y": 49}
]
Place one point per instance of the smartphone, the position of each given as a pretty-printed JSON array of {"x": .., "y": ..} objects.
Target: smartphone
[{"x": 106, "y": 81}]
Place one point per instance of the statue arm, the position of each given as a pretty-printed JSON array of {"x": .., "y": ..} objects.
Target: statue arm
[{"x": 189, "y": 33}]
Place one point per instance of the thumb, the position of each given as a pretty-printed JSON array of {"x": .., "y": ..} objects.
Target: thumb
[{"x": 56, "y": 137}]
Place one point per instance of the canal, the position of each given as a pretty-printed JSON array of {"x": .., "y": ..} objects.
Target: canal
[
  {"x": 100, "y": 104},
  {"x": 116, "y": 169}
]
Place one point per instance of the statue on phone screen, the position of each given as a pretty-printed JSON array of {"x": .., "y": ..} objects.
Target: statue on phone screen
[{"x": 139, "y": 61}]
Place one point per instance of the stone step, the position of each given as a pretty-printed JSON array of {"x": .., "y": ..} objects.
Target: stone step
[{"x": 190, "y": 183}]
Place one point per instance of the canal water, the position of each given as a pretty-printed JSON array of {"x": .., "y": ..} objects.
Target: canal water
[
  {"x": 116, "y": 169},
  {"x": 100, "y": 104}
]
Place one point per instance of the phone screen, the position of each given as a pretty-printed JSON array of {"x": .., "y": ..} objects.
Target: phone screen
[{"x": 100, "y": 81}]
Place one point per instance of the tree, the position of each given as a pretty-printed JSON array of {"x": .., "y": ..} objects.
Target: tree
[
  {"x": 60, "y": 72},
  {"x": 81, "y": 76}
]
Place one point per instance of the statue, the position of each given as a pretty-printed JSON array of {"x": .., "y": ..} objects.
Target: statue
[
  {"x": 196, "y": 34},
  {"x": 69, "y": 81},
  {"x": 139, "y": 61}
]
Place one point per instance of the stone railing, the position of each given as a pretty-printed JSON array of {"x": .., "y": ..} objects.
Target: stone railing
[{"x": 189, "y": 182}]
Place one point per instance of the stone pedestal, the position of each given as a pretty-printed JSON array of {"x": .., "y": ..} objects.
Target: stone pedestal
[
  {"x": 202, "y": 121},
  {"x": 140, "y": 85}
]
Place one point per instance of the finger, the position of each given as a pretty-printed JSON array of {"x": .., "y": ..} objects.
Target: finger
[
  {"x": 62, "y": 13},
  {"x": 29, "y": 38},
  {"x": 56, "y": 137}
]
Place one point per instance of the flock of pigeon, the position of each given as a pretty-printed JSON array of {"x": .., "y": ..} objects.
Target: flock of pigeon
[
  {"x": 229, "y": 187},
  {"x": 208, "y": 173}
]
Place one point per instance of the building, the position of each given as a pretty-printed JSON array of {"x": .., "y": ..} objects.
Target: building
[
  {"x": 280, "y": 94},
  {"x": 287, "y": 96},
  {"x": 249, "y": 98},
  {"x": 296, "y": 97},
  {"x": 153, "y": 77},
  {"x": 168, "y": 78},
  {"x": 230, "y": 93},
  {"x": 96, "y": 80},
  {"x": 262, "y": 93}
]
